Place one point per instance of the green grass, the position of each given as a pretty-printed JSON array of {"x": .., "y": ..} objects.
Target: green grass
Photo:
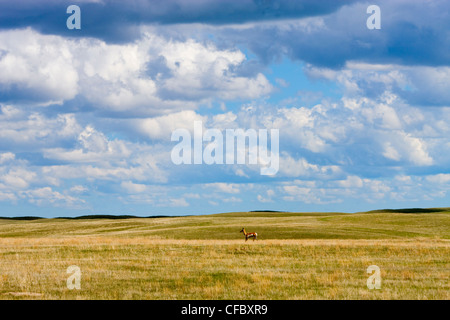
[{"x": 269, "y": 225}]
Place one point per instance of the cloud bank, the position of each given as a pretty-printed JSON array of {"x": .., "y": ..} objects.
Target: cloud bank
[{"x": 86, "y": 115}]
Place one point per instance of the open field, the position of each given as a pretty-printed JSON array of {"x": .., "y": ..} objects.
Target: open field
[{"x": 298, "y": 256}]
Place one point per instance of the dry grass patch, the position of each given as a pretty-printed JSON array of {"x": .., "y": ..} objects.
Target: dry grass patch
[{"x": 139, "y": 268}]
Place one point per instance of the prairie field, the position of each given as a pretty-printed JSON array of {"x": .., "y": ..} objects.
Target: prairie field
[{"x": 297, "y": 256}]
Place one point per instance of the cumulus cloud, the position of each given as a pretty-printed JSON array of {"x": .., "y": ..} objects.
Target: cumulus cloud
[
  {"x": 224, "y": 187},
  {"x": 405, "y": 189},
  {"x": 93, "y": 147},
  {"x": 45, "y": 196},
  {"x": 52, "y": 69},
  {"x": 30, "y": 131},
  {"x": 418, "y": 85},
  {"x": 291, "y": 167},
  {"x": 33, "y": 71},
  {"x": 17, "y": 177},
  {"x": 131, "y": 187},
  {"x": 163, "y": 126},
  {"x": 6, "y": 157}
]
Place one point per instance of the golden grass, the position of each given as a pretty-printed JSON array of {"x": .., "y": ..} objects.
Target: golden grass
[
  {"x": 298, "y": 256},
  {"x": 142, "y": 268}
]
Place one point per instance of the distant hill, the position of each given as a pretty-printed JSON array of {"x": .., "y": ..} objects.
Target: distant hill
[
  {"x": 411, "y": 210},
  {"x": 253, "y": 213},
  {"x": 90, "y": 217}
]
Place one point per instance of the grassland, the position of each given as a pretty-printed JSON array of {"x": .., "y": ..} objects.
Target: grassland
[{"x": 298, "y": 256}]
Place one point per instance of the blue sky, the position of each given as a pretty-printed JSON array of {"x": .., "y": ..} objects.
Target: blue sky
[{"x": 86, "y": 116}]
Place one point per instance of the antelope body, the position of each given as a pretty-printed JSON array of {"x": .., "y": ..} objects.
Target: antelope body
[{"x": 247, "y": 235}]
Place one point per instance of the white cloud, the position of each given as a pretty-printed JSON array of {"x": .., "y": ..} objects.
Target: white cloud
[
  {"x": 43, "y": 67},
  {"x": 131, "y": 187},
  {"x": 34, "y": 130},
  {"x": 93, "y": 147},
  {"x": 390, "y": 152},
  {"x": 404, "y": 146},
  {"x": 268, "y": 198},
  {"x": 232, "y": 199},
  {"x": 224, "y": 187},
  {"x": 52, "y": 69},
  {"x": 18, "y": 178},
  {"x": 163, "y": 126},
  {"x": 7, "y": 196},
  {"x": 351, "y": 182},
  {"x": 201, "y": 69},
  {"x": 302, "y": 168},
  {"x": 45, "y": 196},
  {"x": 440, "y": 178},
  {"x": 418, "y": 85},
  {"x": 296, "y": 193},
  {"x": 6, "y": 157},
  {"x": 417, "y": 151},
  {"x": 174, "y": 202},
  {"x": 79, "y": 189}
]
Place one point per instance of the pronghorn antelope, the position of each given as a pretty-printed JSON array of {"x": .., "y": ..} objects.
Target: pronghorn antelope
[{"x": 249, "y": 234}]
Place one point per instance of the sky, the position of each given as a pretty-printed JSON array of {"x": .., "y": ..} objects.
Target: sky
[{"x": 87, "y": 115}]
